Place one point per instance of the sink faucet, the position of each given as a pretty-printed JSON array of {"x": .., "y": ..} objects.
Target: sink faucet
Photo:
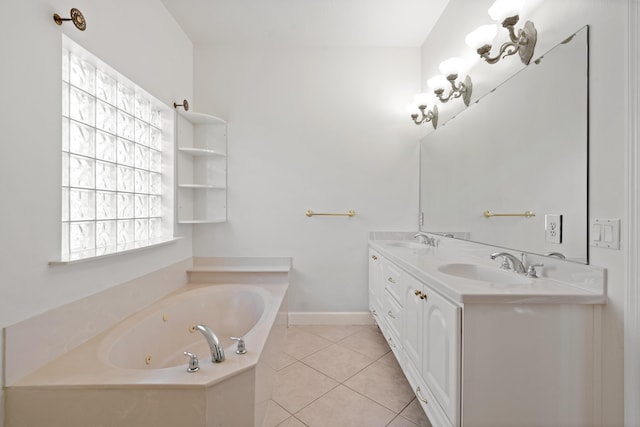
[
  {"x": 217, "y": 352},
  {"x": 516, "y": 264},
  {"x": 424, "y": 238}
]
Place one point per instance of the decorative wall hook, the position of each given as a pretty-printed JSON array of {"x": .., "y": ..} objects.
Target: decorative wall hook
[
  {"x": 185, "y": 105},
  {"x": 76, "y": 17}
]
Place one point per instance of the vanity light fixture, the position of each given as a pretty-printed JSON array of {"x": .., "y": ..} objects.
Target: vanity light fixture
[
  {"x": 506, "y": 12},
  {"x": 419, "y": 112},
  {"x": 451, "y": 69},
  {"x": 76, "y": 17}
]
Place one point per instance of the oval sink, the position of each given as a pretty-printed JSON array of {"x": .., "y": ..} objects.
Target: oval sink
[
  {"x": 410, "y": 245},
  {"x": 483, "y": 274}
]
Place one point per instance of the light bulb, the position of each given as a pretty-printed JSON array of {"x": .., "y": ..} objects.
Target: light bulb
[
  {"x": 422, "y": 99},
  {"x": 502, "y": 9},
  {"x": 451, "y": 66},
  {"x": 412, "y": 108},
  {"x": 481, "y": 36},
  {"x": 438, "y": 82}
]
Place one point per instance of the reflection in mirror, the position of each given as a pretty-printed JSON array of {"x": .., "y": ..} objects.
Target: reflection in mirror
[{"x": 521, "y": 150}]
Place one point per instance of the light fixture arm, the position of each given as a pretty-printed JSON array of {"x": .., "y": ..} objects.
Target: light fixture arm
[
  {"x": 429, "y": 116},
  {"x": 457, "y": 90},
  {"x": 523, "y": 42}
]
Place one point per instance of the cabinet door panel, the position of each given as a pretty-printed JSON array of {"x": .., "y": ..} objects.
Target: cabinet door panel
[
  {"x": 413, "y": 324},
  {"x": 441, "y": 362}
]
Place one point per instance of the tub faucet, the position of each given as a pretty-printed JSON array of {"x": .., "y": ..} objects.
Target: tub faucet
[
  {"x": 217, "y": 352},
  {"x": 517, "y": 265}
]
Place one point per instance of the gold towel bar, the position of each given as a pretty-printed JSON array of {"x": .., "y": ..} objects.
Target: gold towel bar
[
  {"x": 349, "y": 213},
  {"x": 528, "y": 214}
]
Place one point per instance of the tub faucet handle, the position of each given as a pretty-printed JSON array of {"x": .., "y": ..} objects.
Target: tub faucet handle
[
  {"x": 242, "y": 349},
  {"x": 193, "y": 362}
]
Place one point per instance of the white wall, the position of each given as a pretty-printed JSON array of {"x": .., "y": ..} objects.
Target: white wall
[
  {"x": 146, "y": 45},
  {"x": 607, "y": 130},
  {"x": 315, "y": 128}
]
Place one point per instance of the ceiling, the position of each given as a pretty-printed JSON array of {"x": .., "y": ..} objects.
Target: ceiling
[{"x": 307, "y": 22}]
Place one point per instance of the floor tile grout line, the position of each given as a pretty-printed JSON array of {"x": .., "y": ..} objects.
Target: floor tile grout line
[{"x": 376, "y": 402}]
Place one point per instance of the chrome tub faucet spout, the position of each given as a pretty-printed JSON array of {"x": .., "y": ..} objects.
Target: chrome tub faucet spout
[{"x": 217, "y": 352}]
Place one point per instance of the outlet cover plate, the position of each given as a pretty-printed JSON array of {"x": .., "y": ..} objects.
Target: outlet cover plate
[{"x": 553, "y": 228}]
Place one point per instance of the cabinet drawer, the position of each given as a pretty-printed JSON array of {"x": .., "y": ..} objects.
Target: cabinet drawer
[
  {"x": 392, "y": 278},
  {"x": 425, "y": 397},
  {"x": 393, "y": 314}
]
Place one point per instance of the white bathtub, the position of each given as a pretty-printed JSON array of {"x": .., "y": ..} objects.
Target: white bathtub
[{"x": 136, "y": 373}]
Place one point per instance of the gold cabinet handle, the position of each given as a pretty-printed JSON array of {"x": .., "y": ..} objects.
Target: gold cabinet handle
[
  {"x": 390, "y": 314},
  {"x": 374, "y": 313},
  {"x": 391, "y": 280},
  {"x": 373, "y": 257},
  {"x": 423, "y": 296},
  {"x": 391, "y": 342},
  {"x": 417, "y": 293},
  {"x": 419, "y": 395}
]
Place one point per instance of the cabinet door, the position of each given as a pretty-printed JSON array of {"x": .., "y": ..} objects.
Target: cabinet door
[
  {"x": 413, "y": 324},
  {"x": 441, "y": 347}
]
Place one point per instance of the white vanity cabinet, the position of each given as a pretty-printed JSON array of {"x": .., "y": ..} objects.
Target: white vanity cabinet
[
  {"x": 487, "y": 362},
  {"x": 432, "y": 343},
  {"x": 201, "y": 168}
]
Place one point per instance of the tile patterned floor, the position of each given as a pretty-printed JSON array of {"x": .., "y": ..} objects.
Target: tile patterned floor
[{"x": 341, "y": 376}]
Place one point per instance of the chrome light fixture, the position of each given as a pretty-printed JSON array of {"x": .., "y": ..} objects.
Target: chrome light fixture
[
  {"x": 523, "y": 42},
  {"x": 419, "y": 112},
  {"x": 450, "y": 69}
]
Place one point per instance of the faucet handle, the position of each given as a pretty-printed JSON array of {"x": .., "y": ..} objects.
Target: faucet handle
[
  {"x": 505, "y": 263},
  {"x": 242, "y": 349},
  {"x": 531, "y": 271},
  {"x": 193, "y": 362}
]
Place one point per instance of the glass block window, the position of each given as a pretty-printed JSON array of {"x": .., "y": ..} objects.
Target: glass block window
[{"x": 112, "y": 160}]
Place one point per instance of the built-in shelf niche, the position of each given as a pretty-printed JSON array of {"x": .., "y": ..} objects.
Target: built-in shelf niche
[{"x": 201, "y": 168}]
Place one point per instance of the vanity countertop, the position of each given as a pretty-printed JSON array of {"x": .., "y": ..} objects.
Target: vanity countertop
[{"x": 559, "y": 282}]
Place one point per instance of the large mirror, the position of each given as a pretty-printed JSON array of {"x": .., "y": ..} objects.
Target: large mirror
[{"x": 511, "y": 170}]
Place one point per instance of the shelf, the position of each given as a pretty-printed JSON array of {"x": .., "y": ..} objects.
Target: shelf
[
  {"x": 201, "y": 169},
  {"x": 204, "y": 152},
  {"x": 202, "y": 221},
  {"x": 204, "y": 186},
  {"x": 199, "y": 118}
]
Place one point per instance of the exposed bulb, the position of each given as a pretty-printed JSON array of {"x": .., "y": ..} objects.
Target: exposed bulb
[
  {"x": 438, "y": 82},
  {"x": 422, "y": 99},
  {"x": 451, "y": 66},
  {"x": 503, "y": 9},
  {"x": 481, "y": 36}
]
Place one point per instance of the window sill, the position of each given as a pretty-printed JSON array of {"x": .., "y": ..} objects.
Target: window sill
[{"x": 111, "y": 251}]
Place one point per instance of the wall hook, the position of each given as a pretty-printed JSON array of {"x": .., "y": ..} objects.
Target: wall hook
[
  {"x": 185, "y": 105},
  {"x": 76, "y": 17}
]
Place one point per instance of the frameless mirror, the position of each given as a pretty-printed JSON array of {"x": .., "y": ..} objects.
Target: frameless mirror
[{"x": 511, "y": 170}]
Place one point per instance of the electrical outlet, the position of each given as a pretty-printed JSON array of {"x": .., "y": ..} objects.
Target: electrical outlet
[{"x": 553, "y": 228}]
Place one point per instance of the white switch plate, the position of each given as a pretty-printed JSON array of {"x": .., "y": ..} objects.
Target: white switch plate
[
  {"x": 553, "y": 228},
  {"x": 605, "y": 233}
]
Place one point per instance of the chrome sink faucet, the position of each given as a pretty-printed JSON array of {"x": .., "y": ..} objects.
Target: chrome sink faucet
[
  {"x": 217, "y": 352},
  {"x": 507, "y": 258},
  {"x": 427, "y": 240}
]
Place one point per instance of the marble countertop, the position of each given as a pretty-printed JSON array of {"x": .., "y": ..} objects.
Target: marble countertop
[{"x": 559, "y": 282}]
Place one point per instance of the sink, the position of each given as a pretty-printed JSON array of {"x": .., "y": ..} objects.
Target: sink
[
  {"x": 410, "y": 245},
  {"x": 484, "y": 274}
]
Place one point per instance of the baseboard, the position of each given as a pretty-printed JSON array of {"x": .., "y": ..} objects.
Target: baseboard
[{"x": 330, "y": 318}]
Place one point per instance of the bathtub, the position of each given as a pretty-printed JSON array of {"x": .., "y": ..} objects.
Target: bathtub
[{"x": 135, "y": 374}]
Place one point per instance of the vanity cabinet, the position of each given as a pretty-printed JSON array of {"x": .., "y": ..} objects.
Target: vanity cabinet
[
  {"x": 201, "y": 168},
  {"x": 487, "y": 363}
]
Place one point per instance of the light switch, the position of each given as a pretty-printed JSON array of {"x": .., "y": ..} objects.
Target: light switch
[
  {"x": 596, "y": 232},
  {"x": 605, "y": 233}
]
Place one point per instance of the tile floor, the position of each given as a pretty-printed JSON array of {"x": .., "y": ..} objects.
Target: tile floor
[{"x": 341, "y": 376}]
